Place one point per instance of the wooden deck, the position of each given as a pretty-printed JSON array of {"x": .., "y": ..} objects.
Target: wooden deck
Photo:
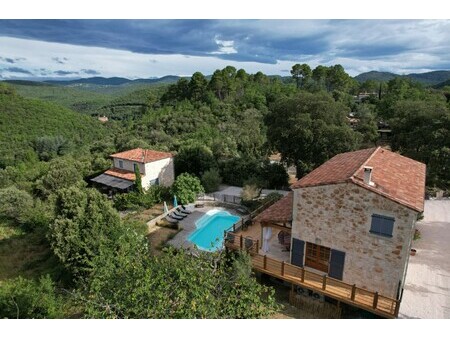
[{"x": 344, "y": 292}]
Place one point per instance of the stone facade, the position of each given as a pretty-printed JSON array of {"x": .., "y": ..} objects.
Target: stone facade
[{"x": 339, "y": 216}]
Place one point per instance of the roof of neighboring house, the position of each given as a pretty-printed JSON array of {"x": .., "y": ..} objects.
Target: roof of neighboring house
[
  {"x": 112, "y": 181},
  {"x": 120, "y": 173},
  {"x": 279, "y": 212},
  {"x": 396, "y": 177},
  {"x": 276, "y": 157},
  {"x": 142, "y": 155}
]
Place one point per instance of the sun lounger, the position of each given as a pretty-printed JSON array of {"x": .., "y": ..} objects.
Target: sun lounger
[
  {"x": 179, "y": 214},
  {"x": 181, "y": 211},
  {"x": 176, "y": 217},
  {"x": 171, "y": 221},
  {"x": 185, "y": 209}
]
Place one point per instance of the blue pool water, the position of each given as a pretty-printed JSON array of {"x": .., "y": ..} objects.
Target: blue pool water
[{"x": 210, "y": 228}]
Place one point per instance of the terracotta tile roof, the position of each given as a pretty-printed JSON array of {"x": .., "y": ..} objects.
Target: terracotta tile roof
[
  {"x": 279, "y": 212},
  {"x": 120, "y": 173},
  {"x": 142, "y": 155},
  {"x": 396, "y": 177},
  {"x": 338, "y": 169}
]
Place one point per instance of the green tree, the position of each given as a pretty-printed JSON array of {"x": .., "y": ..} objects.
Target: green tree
[
  {"x": 24, "y": 298},
  {"x": 186, "y": 187},
  {"x": 62, "y": 173},
  {"x": 138, "y": 179},
  {"x": 275, "y": 176},
  {"x": 211, "y": 180},
  {"x": 198, "y": 87},
  {"x": 86, "y": 225},
  {"x": 367, "y": 124},
  {"x": 301, "y": 73},
  {"x": 15, "y": 204},
  {"x": 194, "y": 159},
  {"x": 421, "y": 130},
  {"x": 208, "y": 286},
  {"x": 309, "y": 129}
]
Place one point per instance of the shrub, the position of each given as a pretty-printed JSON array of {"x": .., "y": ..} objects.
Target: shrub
[
  {"x": 15, "y": 204},
  {"x": 251, "y": 189},
  {"x": 135, "y": 200},
  {"x": 186, "y": 187},
  {"x": 211, "y": 180}
]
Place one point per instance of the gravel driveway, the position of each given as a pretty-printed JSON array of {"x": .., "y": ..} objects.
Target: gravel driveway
[{"x": 427, "y": 287}]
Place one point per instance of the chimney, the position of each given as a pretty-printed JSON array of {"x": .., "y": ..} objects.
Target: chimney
[{"x": 368, "y": 176}]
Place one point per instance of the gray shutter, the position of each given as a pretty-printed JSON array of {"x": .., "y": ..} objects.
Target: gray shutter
[
  {"x": 376, "y": 224},
  {"x": 298, "y": 249},
  {"x": 337, "y": 260}
]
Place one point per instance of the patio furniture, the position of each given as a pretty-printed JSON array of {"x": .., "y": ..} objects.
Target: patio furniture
[
  {"x": 199, "y": 205},
  {"x": 176, "y": 217},
  {"x": 171, "y": 221},
  {"x": 248, "y": 242},
  {"x": 181, "y": 211},
  {"x": 185, "y": 209},
  {"x": 179, "y": 215}
]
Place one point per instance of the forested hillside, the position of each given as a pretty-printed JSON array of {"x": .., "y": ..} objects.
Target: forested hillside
[{"x": 25, "y": 124}]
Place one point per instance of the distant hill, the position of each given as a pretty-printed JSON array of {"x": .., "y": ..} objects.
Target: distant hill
[
  {"x": 23, "y": 120},
  {"x": 442, "y": 84},
  {"x": 429, "y": 78},
  {"x": 377, "y": 76},
  {"x": 83, "y": 101},
  {"x": 114, "y": 81}
]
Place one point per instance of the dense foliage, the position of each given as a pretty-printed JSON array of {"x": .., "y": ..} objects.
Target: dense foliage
[
  {"x": 187, "y": 187},
  {"x": 23, "y": 298},
  {"x": 207, "y": 286}
]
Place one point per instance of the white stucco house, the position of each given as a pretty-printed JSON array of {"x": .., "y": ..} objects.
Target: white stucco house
[{"x": 155, "y": 167}]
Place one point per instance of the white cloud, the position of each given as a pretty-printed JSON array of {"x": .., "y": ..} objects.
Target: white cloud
[{"x": 225, "y": 47}]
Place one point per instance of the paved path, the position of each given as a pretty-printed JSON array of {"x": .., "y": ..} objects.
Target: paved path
[{"x": 427, "y": 287}]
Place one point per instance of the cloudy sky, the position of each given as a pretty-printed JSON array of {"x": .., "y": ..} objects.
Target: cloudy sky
[{"x": 154, "y": 48}]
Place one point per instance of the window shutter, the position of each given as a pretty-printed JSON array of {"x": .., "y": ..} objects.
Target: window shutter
[
  {"x": 337, "y": 260},
  {"x": 382, "y": 225},
  {"x": 298, "y": 249}
]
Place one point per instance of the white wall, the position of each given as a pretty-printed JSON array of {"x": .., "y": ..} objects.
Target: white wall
[
  {"x": 128, "y": 165},
  {"x": 163, "y": 170}
]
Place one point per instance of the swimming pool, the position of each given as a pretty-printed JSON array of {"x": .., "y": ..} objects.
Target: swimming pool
[{"x": 210, "y": 228}]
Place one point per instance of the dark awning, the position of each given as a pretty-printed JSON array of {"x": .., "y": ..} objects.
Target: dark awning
[{"x": 113, "y": 182}]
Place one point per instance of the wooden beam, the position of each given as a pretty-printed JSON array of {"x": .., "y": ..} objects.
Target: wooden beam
[
  {"x": 375, "y": 300},
  {"x": 265, "y": 262},
  {"x": 241, "y": 242},
  {"x": 324, "y": 282},
  {"x": 282, "y": 268},
  {"x": 397, "y": 308},
  {"x": 353, "y": 292},
  {"x": 303, "y": 275}
]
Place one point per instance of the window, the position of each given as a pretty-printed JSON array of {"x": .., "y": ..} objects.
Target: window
[
  {"x": 120, "y": 164},
  {"x": 135, "y": 166},
  {"x": 382, "y": 225},
  {"x": 154, "y": 182},
  {"x": 317, "y": 257}
]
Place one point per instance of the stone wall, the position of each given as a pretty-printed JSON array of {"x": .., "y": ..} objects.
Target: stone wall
[{"x": 339, "y": 217}]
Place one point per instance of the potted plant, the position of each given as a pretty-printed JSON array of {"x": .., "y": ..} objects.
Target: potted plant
[{"x": 413, "y": 252}]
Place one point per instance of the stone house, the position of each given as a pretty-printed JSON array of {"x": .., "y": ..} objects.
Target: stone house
[
  {"x": 353, "y": 218},
  {"x": 155, "y": 167}
]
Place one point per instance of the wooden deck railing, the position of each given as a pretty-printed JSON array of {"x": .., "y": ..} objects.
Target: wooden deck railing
[{"x": 334, "y": 288}]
